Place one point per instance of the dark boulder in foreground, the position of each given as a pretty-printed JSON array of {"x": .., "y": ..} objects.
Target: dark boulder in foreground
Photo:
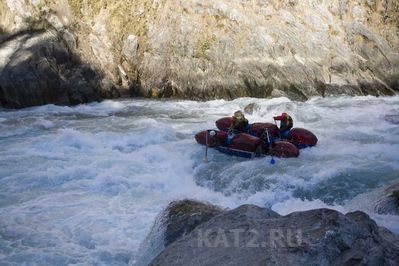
[
  {"x": 177, "y": 220},
  {"x": 250, "y": 235},
  {"x": 183, "y": 216}
]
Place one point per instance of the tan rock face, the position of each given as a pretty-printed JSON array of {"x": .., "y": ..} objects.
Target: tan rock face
[{"x": 204, "y": 49}]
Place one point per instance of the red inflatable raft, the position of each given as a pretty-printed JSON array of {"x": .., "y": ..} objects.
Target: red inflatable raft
[
  {"x": 245, "y": 145},
  {"x": 256, "y": 129},
  {"x": 300, "y": 137},
  {"x": 255, "y": 142}
]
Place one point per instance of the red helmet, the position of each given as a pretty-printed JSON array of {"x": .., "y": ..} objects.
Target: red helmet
[{"x": 284, "y": 114}]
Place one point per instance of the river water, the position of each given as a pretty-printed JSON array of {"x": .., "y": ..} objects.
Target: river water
[{"x": 84, "y": 184}]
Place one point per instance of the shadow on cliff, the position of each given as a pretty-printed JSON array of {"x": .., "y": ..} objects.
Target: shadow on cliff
[
  {"x": 40, "y": 68},
  {"x": 6, "y": 37}
]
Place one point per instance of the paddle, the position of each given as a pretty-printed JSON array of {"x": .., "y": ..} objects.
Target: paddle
[
  {"x": 279, "y": 134},
  {"x": 206, "y": 148},
  {"x": 212, "y": 133},
  {"x": 270, "y": 146}
]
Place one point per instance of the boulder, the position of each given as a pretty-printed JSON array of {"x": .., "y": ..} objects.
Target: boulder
[
  {"x": 177, "y": 220},
  {"x": 183, "y": 216},
  {"x": 251, "y": 235}
]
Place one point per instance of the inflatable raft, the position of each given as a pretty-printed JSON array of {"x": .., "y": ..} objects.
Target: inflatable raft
[{"x": 260, "y": 140}]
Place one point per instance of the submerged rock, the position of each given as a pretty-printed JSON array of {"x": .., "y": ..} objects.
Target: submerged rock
[
  {"x": 250, "y": 108},
  {"x": 250, "y": 235}
]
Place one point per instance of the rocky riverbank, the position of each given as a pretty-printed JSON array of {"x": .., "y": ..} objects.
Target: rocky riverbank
[
  {"x": 68, "y": 52},
  {"x": 194, "y": 233}
]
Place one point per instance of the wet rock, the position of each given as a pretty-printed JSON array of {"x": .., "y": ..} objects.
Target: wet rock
[
  {"x": 183, "y": 216},
  {"x": 177, "y": 220},
  {"x": 250, "y": 108},
  {"x": 388, "y": 203},
  {"x": 250, "y": 235}
]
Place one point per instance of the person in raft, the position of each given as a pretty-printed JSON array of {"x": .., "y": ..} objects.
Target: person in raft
[
  {"x": 286, "y": 123},
  {"x": 240, "y": 123}
]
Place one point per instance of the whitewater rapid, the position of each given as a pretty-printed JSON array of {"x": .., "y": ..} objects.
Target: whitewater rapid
[{"x": 84, "y": 184}]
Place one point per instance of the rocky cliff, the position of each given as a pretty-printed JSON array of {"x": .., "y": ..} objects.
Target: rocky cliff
[{"x": 72, "y": 51}]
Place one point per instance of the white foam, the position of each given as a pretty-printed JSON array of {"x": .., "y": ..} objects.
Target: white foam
[
  {"x": 297, "y": 205},
  {"x": 84, "y": 184}
]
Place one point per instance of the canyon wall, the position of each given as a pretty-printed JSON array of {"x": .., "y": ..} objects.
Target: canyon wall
[{"x": 66, "y": 52}]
